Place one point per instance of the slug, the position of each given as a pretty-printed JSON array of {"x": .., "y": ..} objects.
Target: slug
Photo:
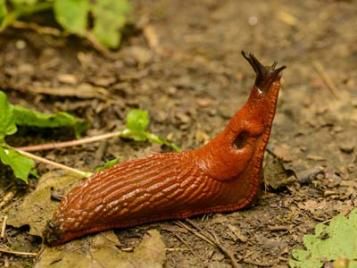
[{"x": 222, "y": 176}]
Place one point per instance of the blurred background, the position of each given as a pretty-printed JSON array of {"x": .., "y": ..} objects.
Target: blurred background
[{"x": 181, "y": 61}]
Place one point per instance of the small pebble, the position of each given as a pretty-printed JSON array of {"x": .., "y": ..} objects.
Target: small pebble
[
  {"x": 183, "y": 118},
  {"x": 253, "y": 20},
  {"x": 204, "y": 102},
  {"x": 67, "y": 79},
  {"x": 20, "y": 44},
  {"x": 347, "y": 148},
  {"x": 172, "y": 91},
  {"x": 306, "y": 176}
]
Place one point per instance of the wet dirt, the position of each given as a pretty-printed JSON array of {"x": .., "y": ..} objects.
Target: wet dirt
[{"x": 182, "y": 63}]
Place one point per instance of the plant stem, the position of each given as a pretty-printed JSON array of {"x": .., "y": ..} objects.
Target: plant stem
[
  {"x": 20, "y": 253},
  {"x": 3, "y": 227},
  {"x": 123, "y": 133},
  {"x": 54, "y": 164},
  {"x": 57, "y": 145},
  {"x": 12, "y": 16}
]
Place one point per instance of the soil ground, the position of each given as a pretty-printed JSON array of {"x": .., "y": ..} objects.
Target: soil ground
[{"x": 181, "y": 61}]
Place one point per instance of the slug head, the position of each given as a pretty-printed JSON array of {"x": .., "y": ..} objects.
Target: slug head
[{"x": 240, "y": 147}]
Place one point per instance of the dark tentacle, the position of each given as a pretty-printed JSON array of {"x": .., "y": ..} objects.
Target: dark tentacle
[{"x": 265, "y": 75}]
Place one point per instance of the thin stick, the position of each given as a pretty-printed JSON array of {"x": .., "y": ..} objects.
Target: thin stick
[
  {"x": 3, "y": 227},
  {"x": 8, "y": 197},
  {"x": 36, "y": 27},
  {"x": 262, "y": 264},
  {"x": 196, "y": 226},
  {"x": 211, "y": 239},
  {"x": 20, "y": 253},
  {"x": 6, "y": 262},
  {"x": 326, "y": 78},
  {"x": 57, "y": 145},
  {"x": 54, "y": 164},
  {"x": 152, "y": 38},
  {"x": 188, "y": 246},
  {"x": 177, "y": 249},
  {"x": 196, "y": 233},
  {"x": 278, "y": 228},
  {"x": 99, "y": 47}
]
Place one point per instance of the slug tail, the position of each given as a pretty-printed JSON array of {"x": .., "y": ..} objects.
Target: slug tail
[{"x": 51, "y": 233}]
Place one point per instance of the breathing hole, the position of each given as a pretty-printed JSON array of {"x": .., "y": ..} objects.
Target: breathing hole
[{"x": 241, "y": 140}]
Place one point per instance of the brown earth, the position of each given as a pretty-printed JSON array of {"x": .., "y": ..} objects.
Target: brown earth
[{"x": 191, "y": 81}]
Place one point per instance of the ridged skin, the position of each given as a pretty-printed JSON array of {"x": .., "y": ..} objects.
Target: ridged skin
[{"x": 222, "y": 176}]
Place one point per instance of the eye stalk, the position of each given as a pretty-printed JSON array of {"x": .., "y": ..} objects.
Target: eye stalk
[{"x": 265, "y": 75}]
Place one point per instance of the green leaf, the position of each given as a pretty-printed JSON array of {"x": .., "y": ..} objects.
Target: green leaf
[
  {"x": 108, "y": 36},
  {"x": 7, "y": 119},
  {"x": 332, "y": 242},
  {"x": 21, "y": 165},
  {"x": 107, "y": 164},
  {"x": 20, "y": 3},
  {"x": 3, "y": 10},
  {"x": 110, "y": 17},
  {"x": 72, "y": 15},
  {"x": 27, "y": 117},
  {"x": 147, "y": 136},
  {"x": 156, "y": 139},
  {"x": 133, "y": 135},
  {"x": 137, "y": 120}
]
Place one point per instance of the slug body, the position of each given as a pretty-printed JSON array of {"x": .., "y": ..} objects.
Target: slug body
[{"x": 224, "y": 175}]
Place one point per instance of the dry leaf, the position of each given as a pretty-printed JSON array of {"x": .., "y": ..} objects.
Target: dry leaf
[
  {"x": 101, "y": 251},
  {"x": 37, "y": 207}
]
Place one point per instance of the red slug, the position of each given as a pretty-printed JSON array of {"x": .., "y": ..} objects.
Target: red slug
[{"x": 222, "y": 176}]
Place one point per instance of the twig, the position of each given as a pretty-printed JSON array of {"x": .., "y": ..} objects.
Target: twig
[
  {"x": 215, "y": 240},
  {"x": 195, "y": 225},
  {"x": 98, "y": 157},
  {"x": 57, "y": 145},
  {"x": 177, "y": 249},
  {"x": 20, "y": 253},
  {"x": 3, "y": 227},
  {"x": 55, "y": 164},
  {"x": 269, "y": 151},
  {"x": 152, "y": 38},
  {"x": 326, "y": 78},
  {"x": 8, "y": 197},
  {"x": 262, "y": 264},
  {"x": 203, "y": 237},
  {"x": 211, "y": 239},
  {"x": 188, "y": 246},
  {"x": 36, "y": 28},
  {"x": 6, "y": 262},
  {"x": 224, "y": 250},
  {"x": 81, "y": 91},
  {"x": 99, "y": 47},
  {"x": 278, "y": 228}
]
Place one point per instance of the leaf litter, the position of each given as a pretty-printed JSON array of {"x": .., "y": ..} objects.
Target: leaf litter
[
  {"x": 317, "y": 129},
  {"x": 90, "y": 251},
  {"x": 102, "y": 250},
  {"x": 37, "y": 207},
  {"x": 333, "y": 241}
]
